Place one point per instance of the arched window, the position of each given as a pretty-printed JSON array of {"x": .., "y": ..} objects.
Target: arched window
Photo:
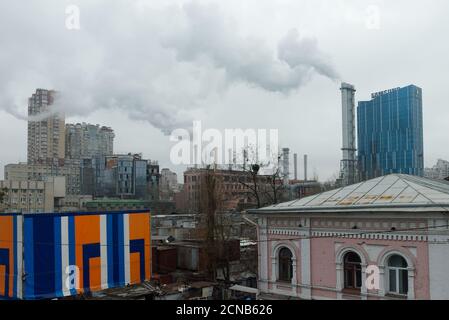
[
  {"x": 285, "y": 265},
  {"x": 353, "y": 271},
  {"x": 397, "y": 275}
]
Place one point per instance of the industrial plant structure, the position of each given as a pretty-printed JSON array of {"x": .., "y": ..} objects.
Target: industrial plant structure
[
  {"x": 348, "y": 167},
  {"x": 286, "y": 165}
]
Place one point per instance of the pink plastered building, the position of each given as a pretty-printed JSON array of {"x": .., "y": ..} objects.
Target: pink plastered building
[{"x": 386, "y": 238}]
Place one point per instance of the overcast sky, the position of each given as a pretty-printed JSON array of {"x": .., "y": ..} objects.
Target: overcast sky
[{"x": 147, "y": 67}]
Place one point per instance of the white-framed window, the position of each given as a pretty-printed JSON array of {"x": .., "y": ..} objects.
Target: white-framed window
[{"x": 397, "y": 275}]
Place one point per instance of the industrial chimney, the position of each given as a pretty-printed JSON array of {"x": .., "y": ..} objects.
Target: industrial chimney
[
  {"x": 286, "y": 165},
  {"x": 295, "y": 163},
  {"x": 305, "y": 167},
  {"x": 348, "y": 163}
]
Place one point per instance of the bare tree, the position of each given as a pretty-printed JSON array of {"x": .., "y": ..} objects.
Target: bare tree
[
  {"x": 222, "y": 232},
  {"x": 217, "y": 233},
  {"x": 209, "y": 202},
  {"x": 276, "y": 186},
  {"x": 266, "y": 181},
  {"x": 253, "y": 185}
]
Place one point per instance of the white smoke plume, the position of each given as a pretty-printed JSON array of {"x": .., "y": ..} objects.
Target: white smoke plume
[
  {"x": 155, "y": 65},
  {"x": 304, "y": 53},
  {"x": 205, "y": 34}
]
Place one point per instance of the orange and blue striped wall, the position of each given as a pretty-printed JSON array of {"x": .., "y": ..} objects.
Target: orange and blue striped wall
[
  {"x": 72, "y": 253},
  {"x": 10, "y": 256}
]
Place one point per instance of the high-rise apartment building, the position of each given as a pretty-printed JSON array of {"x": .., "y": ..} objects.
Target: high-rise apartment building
[
  {"x": 439, "y": 171},
  {"x": 169, "y": 184},
  {"x": 88, "y": 141},
  {"x": 46, "y": 129},
  {"x": 153, "y": 178},
  {"x": 390, "y": 133}
]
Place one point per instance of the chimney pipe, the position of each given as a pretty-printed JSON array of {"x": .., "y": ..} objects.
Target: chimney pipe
[
  {"x": 348, "y": 162},
  {"x": 286, "y": 165},
  {"x": 305, "y": 167},
  {"x": 295, "y": 160}
]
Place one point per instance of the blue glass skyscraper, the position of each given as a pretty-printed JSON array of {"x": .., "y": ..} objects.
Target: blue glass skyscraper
[{"x": 390, "y": 133}]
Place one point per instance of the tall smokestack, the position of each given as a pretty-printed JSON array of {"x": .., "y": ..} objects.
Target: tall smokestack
[
  {"x": 305, "y": 167},
  {"x": 295, "y": 163},
  {"x": 348, "y": 163},
  {"x": 286, "y": 165}
]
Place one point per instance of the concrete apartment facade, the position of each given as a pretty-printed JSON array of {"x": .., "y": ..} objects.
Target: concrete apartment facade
[
  {"x": 70, "y": 169},
  {"x": 85, "y": 140},
  {"x": 46, "y": 129},
  {"x": 168, "y": 184},
  {"x": 33, "y": 196},
  {"x": 439, "y": 171}
]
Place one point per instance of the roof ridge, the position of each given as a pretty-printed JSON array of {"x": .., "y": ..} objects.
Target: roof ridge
[
  {"x": 431, "y": 201},
  {"x": 408, "y": 186},
  {"x": 407, "y": 182},
  {"x": 428, "y": 183}
]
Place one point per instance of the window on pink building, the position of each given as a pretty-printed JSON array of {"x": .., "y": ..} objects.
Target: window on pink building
[
  {"x": 353, "y": 271},
  {"x": 397, "y": 275},
  {"x": 285, "y": 265}
]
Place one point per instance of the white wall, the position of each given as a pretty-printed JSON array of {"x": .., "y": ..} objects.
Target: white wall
[{"x": 439, "y": 268}]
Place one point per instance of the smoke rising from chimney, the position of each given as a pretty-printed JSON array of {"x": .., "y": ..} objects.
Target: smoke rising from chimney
[{"x": 149, "y": 69}]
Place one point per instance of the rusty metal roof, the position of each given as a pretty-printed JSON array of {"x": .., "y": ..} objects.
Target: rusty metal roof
[{"x": 390, "y": 192}]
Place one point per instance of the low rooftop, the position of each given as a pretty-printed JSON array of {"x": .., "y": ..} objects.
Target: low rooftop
[{"x": 397, "y": 192}]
